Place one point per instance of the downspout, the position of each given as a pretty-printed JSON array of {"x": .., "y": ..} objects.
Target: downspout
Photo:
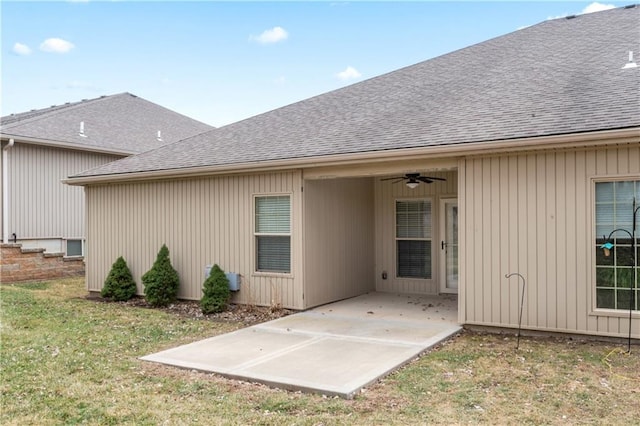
[{"x": 5, "y": 191}]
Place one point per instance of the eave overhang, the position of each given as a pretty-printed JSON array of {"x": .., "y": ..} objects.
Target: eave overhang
[
  {"x": 566, "y": 141},
  {"x": 65, "y": 145}
]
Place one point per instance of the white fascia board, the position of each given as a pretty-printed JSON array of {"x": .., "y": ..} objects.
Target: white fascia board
[{"x": 567, "y": 141}]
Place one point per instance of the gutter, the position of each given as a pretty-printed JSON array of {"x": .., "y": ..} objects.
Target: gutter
[
  {"x": 5, "y": 191},
  {"x": 574, "y": 140}
]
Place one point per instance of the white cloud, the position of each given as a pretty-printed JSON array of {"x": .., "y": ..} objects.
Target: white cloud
[
  {"x": 349, "y": 73},
  {"x": 21, "y": 49},
  {"x": 274, "y": 35},
  {"x": 597, "y": 7},
  {"x": 56, "y": 45},
  {"x": 593, "y": 7}
]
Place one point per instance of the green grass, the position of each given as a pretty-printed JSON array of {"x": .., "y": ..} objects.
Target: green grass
[{"x": 68, "y": 360}]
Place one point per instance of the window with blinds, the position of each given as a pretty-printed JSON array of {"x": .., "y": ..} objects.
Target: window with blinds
[
  {"x": 616, "y": 274},
  {"x": 413, "y": 239},
  {"x": 273, "y": 233}
]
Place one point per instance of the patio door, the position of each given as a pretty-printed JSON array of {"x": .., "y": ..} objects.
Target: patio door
[{"x": 449, "y": 245}]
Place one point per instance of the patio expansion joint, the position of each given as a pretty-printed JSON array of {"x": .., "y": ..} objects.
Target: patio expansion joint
[
  {"x": 275, "y": 354},
  {"x": 441, "y": 329}
]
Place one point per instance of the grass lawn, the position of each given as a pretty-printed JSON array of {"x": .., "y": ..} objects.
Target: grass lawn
[{"x": 67, "y": 360}]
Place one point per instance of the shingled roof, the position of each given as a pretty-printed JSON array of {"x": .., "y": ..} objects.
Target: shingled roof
[
  {"x": 122, "y": 124},
  {"x": 561, "y": 76}
]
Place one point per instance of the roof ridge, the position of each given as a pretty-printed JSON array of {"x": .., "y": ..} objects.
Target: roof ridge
[{"x": 54, "y": 110}]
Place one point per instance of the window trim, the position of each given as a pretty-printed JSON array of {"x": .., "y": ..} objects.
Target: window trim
[
  {"x": 255, "y": 271},
  {"x": 66, "y": 248},
  {"x": 396, "y": 239},
  {"x": 595, "y": 311}
]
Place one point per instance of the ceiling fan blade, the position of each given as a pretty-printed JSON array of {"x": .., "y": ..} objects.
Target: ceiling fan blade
[{"x": 429, "y": 179}]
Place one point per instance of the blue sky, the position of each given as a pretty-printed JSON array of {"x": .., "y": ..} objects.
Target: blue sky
[{"x": 221, "y": 62}]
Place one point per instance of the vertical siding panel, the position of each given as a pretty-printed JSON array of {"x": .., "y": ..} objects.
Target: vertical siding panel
[
  {"x": 560, "y": 277},
  {"x": 582, "y": 276},
  {"x": 504, "y": 242},
  {"x": 551, "y": 241},
  {"x": 539, "y": 243},
  {"x": 571, "y": 175},
  {"x": 523, "y": 231},
  {"x": 478, "y": 248},
  {"x": 591, "y": 165},
  {"x": 461, "y": 190},
  {"x": 531, "y": 226},
  {"x": 492, "y": 257},
  {"x": 512, "y": 239},
  {"x": 634, "y": 159}
]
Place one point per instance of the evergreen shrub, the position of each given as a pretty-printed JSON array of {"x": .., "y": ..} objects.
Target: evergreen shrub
[
  {"x": 215, "y": 292},
  {"x": 161, "y": 282},
  {"x": 119, "y": 284}
]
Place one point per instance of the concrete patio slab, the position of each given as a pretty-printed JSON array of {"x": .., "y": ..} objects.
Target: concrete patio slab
[{"x": 336, "y": 349}]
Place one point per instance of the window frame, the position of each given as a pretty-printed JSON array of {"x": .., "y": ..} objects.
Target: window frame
[
  {"x": 257, "y": 235},
  {"x": 429, "y": 239},
  {"x": 66, "y": 247},
  {"x": 596, "y": 242}
]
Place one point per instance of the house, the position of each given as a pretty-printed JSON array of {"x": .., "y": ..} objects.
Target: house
[
  {"x": 513, "y": 155},
  {"x": 42, "y": 147}
]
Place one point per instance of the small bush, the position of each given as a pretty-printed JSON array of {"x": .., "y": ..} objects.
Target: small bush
[
  {"x": 161, "y": 282},
  {"x": 119, "y": 284},
  {"x": 216, "y": 292}
]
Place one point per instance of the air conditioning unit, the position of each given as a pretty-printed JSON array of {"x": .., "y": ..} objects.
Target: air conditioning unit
[{"x": 233, "y": 277}]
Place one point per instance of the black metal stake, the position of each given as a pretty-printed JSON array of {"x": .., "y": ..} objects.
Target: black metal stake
[
  {"x": 633, "y": 286},
  {"x": 524, "y": 284}
]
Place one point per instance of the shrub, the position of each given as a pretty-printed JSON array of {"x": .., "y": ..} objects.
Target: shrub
[
  {"x": 215, "y": 293},
  {"x": 161, "y": 282},
  {"x": 119, "y": 284}
]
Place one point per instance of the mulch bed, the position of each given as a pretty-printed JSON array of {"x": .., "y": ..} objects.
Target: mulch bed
[{"x": 245, "y": 314}]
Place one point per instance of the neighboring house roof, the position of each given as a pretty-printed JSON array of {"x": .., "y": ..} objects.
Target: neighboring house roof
[
  {"x": 122, "y": 124},
  {"x": 558, "y": 77}
]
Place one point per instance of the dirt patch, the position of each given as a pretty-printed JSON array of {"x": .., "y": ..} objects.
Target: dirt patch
[{"x": 244, "y": 314}]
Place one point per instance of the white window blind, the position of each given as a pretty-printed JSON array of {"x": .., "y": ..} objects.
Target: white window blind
[
  {"x": 273, "y": 233},
  {"x": 413, "y": 239}
]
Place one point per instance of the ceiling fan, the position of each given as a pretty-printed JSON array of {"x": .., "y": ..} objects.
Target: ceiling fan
[{"x": 414, "y": 179}]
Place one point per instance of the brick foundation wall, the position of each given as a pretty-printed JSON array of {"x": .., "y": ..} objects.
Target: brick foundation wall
[{"x": 18, "y": 264}]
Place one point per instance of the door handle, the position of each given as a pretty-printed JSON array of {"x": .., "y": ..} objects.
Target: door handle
[{"x": 442, "y": 244}]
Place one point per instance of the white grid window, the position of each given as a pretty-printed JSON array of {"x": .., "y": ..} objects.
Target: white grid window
[
  {"x": 273, "y": 233},
  {"x": 413, "y": 239},
  {"x": 616, "y": 274}
]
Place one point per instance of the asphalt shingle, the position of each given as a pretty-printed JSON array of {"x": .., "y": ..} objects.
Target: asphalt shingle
[
  {"x": 122, "y": 123},
  {"x": 561, "y": 76}
]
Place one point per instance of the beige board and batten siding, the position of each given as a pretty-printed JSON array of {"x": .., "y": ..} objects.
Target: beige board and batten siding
[
  {"x": 386, "y": 194},
  {"x": 40, "y": 205},
  {"x": 338, "y": 239},
  {"x": 202, "y": 221},
  {"x": 534, "y": 214}
]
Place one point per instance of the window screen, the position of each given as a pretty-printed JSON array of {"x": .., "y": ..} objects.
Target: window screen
[
  {"x": 413, "y": 239},
  {"x": 273, "y": 234}
]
